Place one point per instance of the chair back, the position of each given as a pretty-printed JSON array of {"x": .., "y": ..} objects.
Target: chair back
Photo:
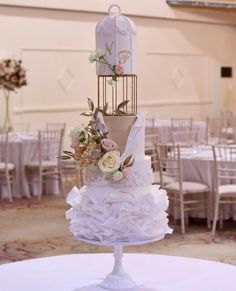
[
  {"x": 50, "y": 144},
  {"x": 168, "y": 157},
  {"x": 224, "y": 164},
  {"x": 227, "y": 118},
  {"x": 4, "y": 148},
  {"x": 150, "y": 126},
  {"x": 181, "y": 124},
  {"x": 213, "y": 130},
  {"x": 185, "y": 138},
  {"x": 150, "y": 149},
  {"x": 55, "y": 125}
]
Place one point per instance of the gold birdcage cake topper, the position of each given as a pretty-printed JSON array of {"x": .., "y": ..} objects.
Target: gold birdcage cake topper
[{"x": 121, "y": 98}]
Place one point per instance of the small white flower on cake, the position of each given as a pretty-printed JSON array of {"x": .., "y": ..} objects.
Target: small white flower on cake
[{"x": 117, "y": 176}]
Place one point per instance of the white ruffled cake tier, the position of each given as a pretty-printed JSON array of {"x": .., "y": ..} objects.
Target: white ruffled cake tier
[{"x": 118, "y": 214}]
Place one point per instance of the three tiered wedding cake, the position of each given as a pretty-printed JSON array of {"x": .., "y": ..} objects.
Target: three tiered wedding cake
[{"x": 118, "y": 202}]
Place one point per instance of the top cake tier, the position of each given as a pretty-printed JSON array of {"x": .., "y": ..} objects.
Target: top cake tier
[{"x": 116, "y": 36}]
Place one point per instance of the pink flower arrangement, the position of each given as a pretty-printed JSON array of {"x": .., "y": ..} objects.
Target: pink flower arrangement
[{"x": 12, "y": 74}]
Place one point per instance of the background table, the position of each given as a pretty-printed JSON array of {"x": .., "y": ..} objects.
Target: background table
[
  {"x": 72, "y": 272},
  {"x": 23, "y": 148}
]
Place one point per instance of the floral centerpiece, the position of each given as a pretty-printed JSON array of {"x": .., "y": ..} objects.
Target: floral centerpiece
[
  {"x": 12, "y": 77},
  {"x": 92, "y": 147},
  {"x": 100, "y": 57}
]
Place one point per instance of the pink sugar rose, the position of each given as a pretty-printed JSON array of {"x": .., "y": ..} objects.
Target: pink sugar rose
[
  {"x": 127, "y": 172},
  {"x": 119, "y": 70},
  {"x": 74, "y": 143},
  {"x": 109, "y": 145},
  {"x": 94, "y": 154}
]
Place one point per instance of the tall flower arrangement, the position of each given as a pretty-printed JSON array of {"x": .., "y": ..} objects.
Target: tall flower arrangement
[{"x": 12, "y": 77}]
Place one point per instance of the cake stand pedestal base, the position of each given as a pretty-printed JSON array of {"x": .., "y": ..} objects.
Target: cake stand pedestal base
[{"x": 118, "y": 279}]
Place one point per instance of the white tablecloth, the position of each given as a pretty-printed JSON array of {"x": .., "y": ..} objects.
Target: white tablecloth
[
  {"x": 151, "y": 272},
  {"x": 23, "y": 148},
  {"x": 162, "y": 128}
]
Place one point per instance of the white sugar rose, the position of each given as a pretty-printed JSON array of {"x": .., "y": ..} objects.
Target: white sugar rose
[
  {"x": 110, "y": 162},
  {"x": 76, "y": 135},
  {"x": 117, "y": 176}
]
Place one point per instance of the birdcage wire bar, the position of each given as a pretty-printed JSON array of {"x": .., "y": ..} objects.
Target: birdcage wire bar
[{"x": 124, "y": 89}]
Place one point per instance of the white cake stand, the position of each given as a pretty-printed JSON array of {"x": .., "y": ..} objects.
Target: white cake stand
[{"x": 118, "y": 279}]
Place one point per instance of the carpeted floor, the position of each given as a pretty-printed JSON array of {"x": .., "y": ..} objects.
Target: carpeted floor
[{"x": 32, "y": 229}]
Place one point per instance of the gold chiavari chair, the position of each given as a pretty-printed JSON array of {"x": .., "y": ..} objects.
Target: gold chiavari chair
[
  {"x": 225, "y": 180},
  {"x": 7, "y": 169},
  {"x": 185, "y": 195},
  {"x": 48, "y": 165}
]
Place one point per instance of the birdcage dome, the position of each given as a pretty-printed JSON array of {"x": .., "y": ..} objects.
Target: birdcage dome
[{"x": 116, "y": 37}]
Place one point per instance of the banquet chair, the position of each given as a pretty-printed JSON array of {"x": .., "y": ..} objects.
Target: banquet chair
[
  {"x": 55, "y": 126},
  {"x": 227, "y": 117},
  {"x": 71, "y": 173},
  {"x": 48, "y": 164},
  {"x": 227, "y": 126},
  {"x": 150, "y": 126},
  {"x": 21, "y": 127},
  {"x": 225, "y": 180},
  {"x": 7, "y": 170},
  {"x": 185, "y": 138},
  {"x": 150, "y": 150},
  {"x": 181, "y": 124},
  {"x": 213, "y": 131},
  {"x": 185, "y": 195}
]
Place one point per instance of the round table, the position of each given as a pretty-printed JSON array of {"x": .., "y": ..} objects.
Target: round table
[
  {"x": 152, "y": 272},
  {"x": 23, "y": 148}
]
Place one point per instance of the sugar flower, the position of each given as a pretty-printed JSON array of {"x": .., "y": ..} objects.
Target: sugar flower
[
  {"x": 119, "y": 70},
  {"x": 116, "y": 69},
  {"x": 127, "y": 172},
  {"x": 109, "y": 162},
  {"x": 108, "y": 144},
  {"x": 117, "y": 176}
]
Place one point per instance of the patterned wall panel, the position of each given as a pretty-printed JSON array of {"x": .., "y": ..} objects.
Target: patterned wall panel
[
  {"x": 183, "y": 76},
  {"x": 57, "y": 78}
]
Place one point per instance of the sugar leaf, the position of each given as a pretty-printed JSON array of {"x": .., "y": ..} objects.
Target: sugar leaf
[
  {"x": 90, "y": 104},
  {"x": 122, "y": 104}
]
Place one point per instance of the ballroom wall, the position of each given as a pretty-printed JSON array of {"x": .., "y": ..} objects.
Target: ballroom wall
[{"x": 179, "y": 57}]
